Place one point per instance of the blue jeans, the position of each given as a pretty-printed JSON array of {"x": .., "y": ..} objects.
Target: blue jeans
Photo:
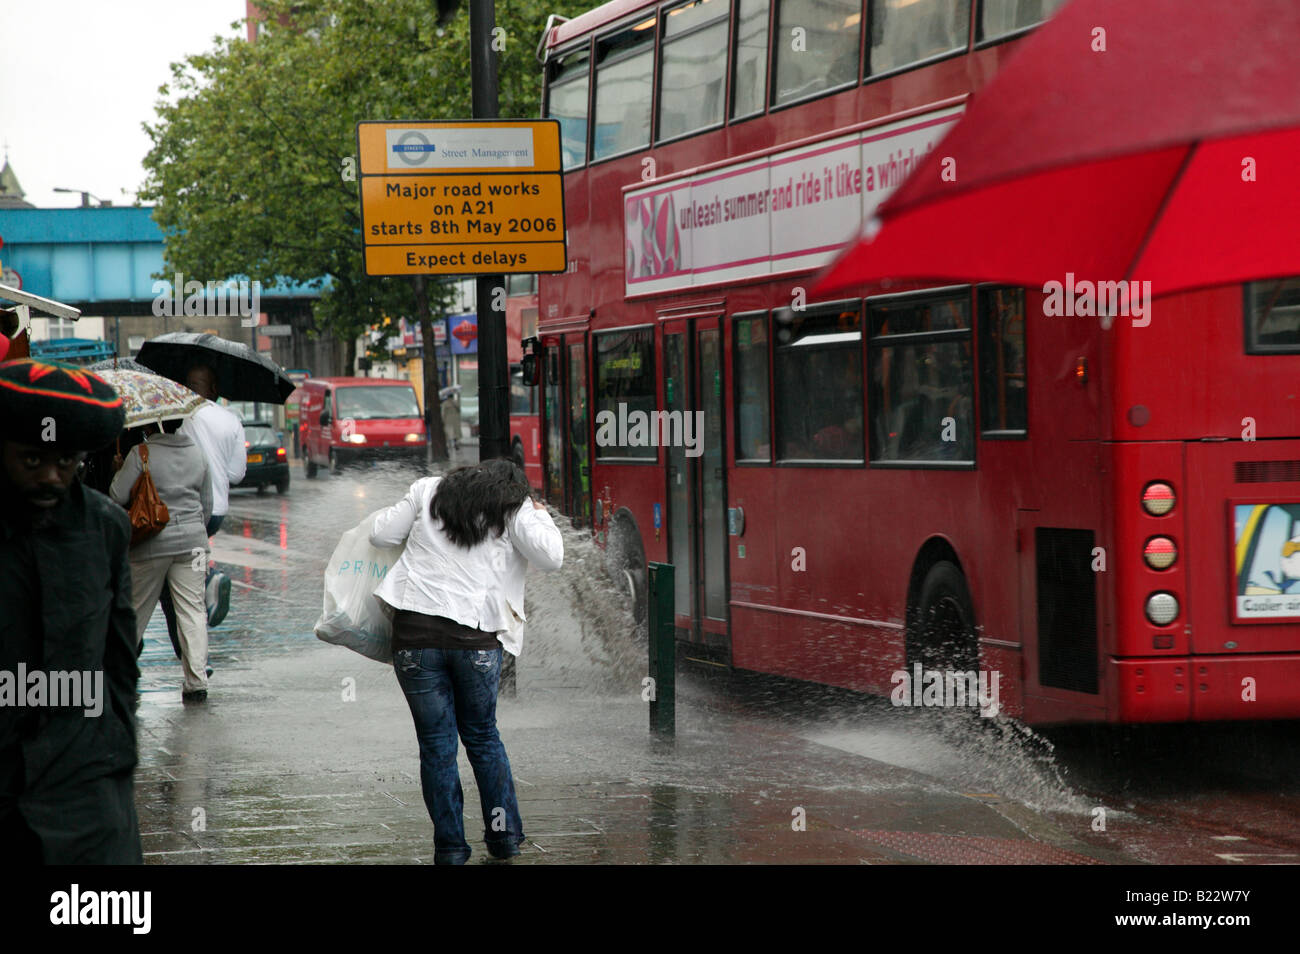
[{"x": 452, "y": 690}]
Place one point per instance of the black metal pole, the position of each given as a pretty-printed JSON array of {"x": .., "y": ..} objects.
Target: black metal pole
[
  {"x": 662, "y": 687},
  {"x": 493, "y": 369}
]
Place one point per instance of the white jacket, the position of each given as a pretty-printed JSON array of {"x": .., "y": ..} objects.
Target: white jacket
[
  {"x": 482, "y": 586},
  {"x": 220, "y": 435}
]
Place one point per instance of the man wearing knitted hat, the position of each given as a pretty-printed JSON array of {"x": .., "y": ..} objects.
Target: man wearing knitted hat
[{"x": 68, "y": 668}]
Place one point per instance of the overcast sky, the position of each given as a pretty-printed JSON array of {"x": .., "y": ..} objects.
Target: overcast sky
[{"x": 78, "y": 77}]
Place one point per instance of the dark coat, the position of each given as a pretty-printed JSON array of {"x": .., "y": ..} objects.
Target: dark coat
[{"x": 65, "y": 605}]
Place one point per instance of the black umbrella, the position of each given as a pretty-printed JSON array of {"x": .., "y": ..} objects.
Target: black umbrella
[{"x": 242, "y": 374}]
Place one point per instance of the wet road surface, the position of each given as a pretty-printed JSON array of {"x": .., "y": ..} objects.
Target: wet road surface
[{"x": 305, "y": 752}]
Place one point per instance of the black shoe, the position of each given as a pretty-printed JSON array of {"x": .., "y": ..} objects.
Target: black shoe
[
  {"x": 194, "y": 695},
  {"x": 209, "y": 672},
  {"x": 503, "y": 852},
  {"x": 218, "y": 590}
]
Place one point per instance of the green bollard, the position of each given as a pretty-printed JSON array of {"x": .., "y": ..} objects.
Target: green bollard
[{"x": 663, "y": 650}]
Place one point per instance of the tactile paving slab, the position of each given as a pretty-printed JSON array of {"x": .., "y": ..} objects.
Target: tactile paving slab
[{"x": 970, "y": 850}]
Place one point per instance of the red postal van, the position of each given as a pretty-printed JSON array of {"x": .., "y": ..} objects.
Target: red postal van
[{"x": 343, "y": 420}]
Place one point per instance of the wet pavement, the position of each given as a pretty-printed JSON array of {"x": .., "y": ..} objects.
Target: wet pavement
[{"x": 306, "y": 753}]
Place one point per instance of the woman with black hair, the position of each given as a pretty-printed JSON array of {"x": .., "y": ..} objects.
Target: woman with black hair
[{"x": 458, "y": 597}]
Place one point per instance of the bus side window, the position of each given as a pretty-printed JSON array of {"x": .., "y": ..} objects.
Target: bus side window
[
  {"x": 566, "y": 101},
  {"x": 1273, "y": 316},
  {"x": 693, "y": 67},
  {"x": 818, "y": 381},
  {"x": 1004, "y": 408},
  {"x": 749, "y": 70},
  {"x": 902, "y": 34},
  {"x": 750, "y": 375},
  {"x": 1002, "y": 17},
  {"x": 922, "y": 383},
  {"x": 624, "y": 81},
  {"x": 624, "y": 364},
  {"x": 816, "y": 47}
]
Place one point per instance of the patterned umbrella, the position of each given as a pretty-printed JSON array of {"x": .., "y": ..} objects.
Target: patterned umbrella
[
  {"x": 119, "y": 364},
  {"x": 150, "y": 397}
]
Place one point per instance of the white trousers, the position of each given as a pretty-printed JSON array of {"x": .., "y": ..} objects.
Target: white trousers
[{"x": 186, "y": 582}]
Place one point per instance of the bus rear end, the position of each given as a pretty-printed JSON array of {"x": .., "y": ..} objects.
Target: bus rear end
[{"x": 1206, "y": 507}]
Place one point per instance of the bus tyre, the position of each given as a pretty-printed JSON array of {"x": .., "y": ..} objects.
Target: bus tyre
[
  {"x": 336, "y": 468},
  {"x": 942, "y": 635},
  {"x": 311, "y": 469},
  {"x": 517, "y": 454},
  {"x": 625, "y": 558}
]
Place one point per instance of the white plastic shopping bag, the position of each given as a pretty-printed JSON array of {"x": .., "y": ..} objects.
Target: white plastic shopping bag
[{"x": 352, "y": 616}]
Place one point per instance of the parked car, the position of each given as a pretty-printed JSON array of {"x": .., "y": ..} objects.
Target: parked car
[
  {"x": 267, "y": 461},
  {"x": 342, "y": 420}
]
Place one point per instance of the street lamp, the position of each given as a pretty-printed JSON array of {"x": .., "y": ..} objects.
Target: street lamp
[{"x": 85, "y": 197}]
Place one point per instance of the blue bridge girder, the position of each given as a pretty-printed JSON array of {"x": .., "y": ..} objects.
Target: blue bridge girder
[{"x": 100, "y": 259}]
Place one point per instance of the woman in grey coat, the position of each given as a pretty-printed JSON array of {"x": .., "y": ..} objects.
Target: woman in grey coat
[{"x": 178, "y": 554}]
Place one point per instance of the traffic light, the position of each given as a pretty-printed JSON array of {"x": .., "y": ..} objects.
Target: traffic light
[{"x": 531, "y": 366}]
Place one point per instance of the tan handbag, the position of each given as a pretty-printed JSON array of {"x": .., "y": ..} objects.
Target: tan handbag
[{"x": 146, "y": 510}]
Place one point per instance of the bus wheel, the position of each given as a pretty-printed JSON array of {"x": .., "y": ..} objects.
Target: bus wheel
[
  {"x": 942, "y": 633},
  {"x": 311, "y": 469},
  {"x": 517, "y": 455},
  {"x": 336, "y": 468},
  {"x": 625, "y": 559}
]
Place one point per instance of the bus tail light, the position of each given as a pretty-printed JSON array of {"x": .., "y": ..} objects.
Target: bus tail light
[
  {"x": 1160, "y": 553},
  {"x": 1162, "y": 608},
  {"x": 1158, "y": 498}
]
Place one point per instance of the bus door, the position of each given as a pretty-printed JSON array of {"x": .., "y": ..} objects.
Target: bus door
[
  {"x": 696, "y": 477},
  {"x": 568, "y": 463}
]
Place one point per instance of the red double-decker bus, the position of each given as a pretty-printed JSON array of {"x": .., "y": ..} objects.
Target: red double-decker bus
[
  {"x": 525, "y": 409},
  {"x": 953, "y": 478}
]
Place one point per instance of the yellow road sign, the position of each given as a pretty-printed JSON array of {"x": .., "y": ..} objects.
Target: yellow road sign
[
  {"x": 464, "y": 259},
  {"x": 461, "y": 198},
  {"x": 448, "y": 210}
]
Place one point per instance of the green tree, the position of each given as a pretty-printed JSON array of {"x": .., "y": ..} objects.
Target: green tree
[{"x": 252, "y": 168}]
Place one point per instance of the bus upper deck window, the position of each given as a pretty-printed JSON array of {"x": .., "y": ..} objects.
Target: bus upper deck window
[
  {"x": 1002, "y": 17},
  {"x": 624, "y": 83},
  {"x": 567, "y": 102},
  {"x": 749, "y": 74},
  {"x": 908, "y": 31},
  {"x": 818, "y": 46},
  {"x": 693, "y": 71}
]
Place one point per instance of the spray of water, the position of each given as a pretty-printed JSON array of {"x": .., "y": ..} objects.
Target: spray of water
[{"x": 580, "y": 628}]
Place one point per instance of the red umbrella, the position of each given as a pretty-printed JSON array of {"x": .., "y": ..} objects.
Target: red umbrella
[{"x": 1153, "y": 140}]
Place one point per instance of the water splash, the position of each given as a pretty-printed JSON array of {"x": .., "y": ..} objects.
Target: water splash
[{"x": 580, "y": 627}]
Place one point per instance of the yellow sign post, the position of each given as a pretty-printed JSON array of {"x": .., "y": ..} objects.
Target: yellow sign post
[{"x": 462, "y": 197}]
